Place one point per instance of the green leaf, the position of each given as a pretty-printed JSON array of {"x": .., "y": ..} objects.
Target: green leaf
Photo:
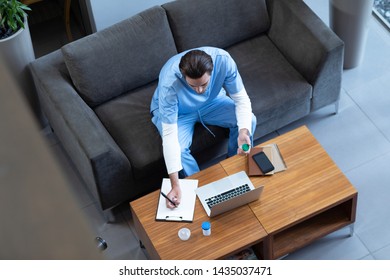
[{"x": 12, "y": 13}]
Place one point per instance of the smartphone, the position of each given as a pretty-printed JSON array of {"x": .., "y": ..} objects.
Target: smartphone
[{"x": 263, "y": 162}]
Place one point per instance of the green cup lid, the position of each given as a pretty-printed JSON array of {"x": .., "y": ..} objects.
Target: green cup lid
[{"x": 245, "y": 147}]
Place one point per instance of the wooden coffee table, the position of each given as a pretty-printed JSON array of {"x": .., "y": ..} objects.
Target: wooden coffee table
[
  {"x": 309, "y": 200},
  {"x": 230, "y": 232}
]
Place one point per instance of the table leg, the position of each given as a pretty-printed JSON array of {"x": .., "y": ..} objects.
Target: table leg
[
  {"x": 67, "y": 20},
  {"x": 351, "y": 229}
]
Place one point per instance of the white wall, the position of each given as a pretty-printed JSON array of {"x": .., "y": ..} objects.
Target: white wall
[{"x": 103, "y": 13}]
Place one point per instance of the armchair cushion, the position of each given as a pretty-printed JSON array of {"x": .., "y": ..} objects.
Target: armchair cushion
[
  {"x": 127, "y": 118},
  {"x": 273, "y": 85},
  {"x": 221, "y": 23},
  {"x": 122, "y": 57}
]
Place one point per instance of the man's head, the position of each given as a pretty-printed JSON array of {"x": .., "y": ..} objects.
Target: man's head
[{"x": 196, "y": 67}]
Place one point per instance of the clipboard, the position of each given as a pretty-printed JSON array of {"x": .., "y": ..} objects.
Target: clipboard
[{"x": 185, "y": 211}]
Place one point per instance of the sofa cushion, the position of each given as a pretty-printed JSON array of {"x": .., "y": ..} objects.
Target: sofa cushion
[
  {"x": 127, "y": 118},
  {"x": 122, "y": 57},
  {"x": 218, "y": 23},
  {"x": 273, "y": 85}
]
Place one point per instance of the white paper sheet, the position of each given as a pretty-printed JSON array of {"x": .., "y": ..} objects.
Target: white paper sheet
[{"x": 185, "y": 211}]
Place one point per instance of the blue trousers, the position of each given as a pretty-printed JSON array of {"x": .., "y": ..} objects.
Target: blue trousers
[{"x": 219, "y": 112}]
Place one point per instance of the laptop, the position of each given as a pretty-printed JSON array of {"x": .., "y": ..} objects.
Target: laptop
[{"x": 228, "y": 193}]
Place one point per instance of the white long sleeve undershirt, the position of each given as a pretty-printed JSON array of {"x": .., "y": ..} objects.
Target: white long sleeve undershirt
[
  {"x": 171, "y": 148},
  {"x": 243, "y": 110}
]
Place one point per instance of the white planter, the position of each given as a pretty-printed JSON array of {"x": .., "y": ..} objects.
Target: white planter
[
  {"x": 349, "y": 20},
  {"x": 17, "y": 52}
]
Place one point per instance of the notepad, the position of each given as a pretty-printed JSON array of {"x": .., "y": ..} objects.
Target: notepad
[
  {"x": 253, "y": 169},
  {"x": 273, "y": 154},
  {"x": 185, "y": 211}
]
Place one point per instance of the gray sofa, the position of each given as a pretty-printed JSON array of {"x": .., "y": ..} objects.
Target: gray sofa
[{"x": 96, "y": 91}]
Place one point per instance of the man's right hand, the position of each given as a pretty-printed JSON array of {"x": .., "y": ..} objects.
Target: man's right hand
[
  {"x": 175, "y": 196},
  {"x": 175, "y": 193}
]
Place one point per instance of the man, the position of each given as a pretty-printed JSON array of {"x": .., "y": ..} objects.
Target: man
[{"x": 191, "y": 89}]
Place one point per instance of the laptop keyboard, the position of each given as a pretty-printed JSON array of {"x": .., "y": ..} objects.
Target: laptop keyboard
[{"x": 227, "y": 195}]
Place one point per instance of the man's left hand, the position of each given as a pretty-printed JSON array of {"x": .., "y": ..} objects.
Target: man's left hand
[{"x": 243, "y": 138}]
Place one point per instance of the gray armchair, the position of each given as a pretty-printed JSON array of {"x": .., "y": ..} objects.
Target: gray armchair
[{"x": 96, "y": 91}]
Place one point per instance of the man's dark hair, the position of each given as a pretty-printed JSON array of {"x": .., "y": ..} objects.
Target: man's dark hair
[{"x": 194, "y": 64}]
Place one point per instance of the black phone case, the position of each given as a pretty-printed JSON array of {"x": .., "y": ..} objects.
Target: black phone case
[{"x": 263, "y": 162}]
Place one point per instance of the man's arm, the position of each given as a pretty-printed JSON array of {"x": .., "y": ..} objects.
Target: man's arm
[
  {"x": 172, "y": 156},
  {"x": 244, "y": 118}
]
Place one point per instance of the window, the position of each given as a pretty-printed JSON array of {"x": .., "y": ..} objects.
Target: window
[{"x": 382, "y": 11}]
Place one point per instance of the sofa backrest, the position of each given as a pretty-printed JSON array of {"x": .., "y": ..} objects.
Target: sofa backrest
[
  {"x": 218, "y": 23},
  {"x": 120, "y": 58}
]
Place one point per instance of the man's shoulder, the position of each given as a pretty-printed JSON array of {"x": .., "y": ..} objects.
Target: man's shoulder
[{"x": 170, "y": 70}]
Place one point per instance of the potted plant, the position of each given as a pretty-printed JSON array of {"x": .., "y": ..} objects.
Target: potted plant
[
  {"x": 12, "y": 17},
  {"x": 16, "y": 49}
]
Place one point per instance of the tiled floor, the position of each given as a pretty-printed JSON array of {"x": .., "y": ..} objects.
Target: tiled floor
[{"x": 357, "y": 138}]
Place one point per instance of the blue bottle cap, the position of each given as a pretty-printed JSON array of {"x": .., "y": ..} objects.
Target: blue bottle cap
[{"x": 206, "y": 225}]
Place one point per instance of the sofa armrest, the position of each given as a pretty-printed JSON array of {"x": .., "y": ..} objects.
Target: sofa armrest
[
  {"x": 101, "y": 163},
  {"x": 310, "y": 46}
]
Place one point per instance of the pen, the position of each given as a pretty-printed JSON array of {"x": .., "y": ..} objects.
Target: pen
[{"x": 164, "y": 195}]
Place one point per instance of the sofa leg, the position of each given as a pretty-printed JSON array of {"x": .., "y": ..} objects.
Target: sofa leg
[
  {"x": 109, "y": 216},
  {"x": 336, "y": 107}
]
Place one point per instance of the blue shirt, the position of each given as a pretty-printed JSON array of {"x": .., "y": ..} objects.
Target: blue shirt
[{"x": 174, "y": 97}]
